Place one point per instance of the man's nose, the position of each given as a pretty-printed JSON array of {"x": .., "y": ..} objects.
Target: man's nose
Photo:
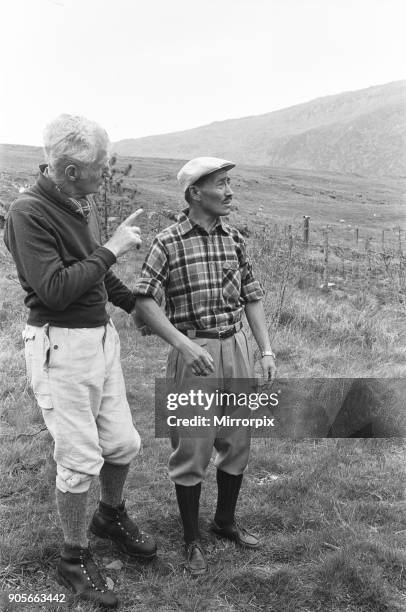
[{"x": 229, "y": 191}]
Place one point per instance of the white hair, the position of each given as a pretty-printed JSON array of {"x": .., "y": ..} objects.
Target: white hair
[{"x": 70, "y": 138}]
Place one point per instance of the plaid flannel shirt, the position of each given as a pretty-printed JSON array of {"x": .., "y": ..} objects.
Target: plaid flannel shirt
[{"x": 205, "y": 278}]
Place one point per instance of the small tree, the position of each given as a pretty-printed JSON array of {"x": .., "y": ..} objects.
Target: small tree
[{"x": 114, "y": 204}]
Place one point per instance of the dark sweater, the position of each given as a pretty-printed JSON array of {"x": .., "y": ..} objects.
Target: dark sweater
[{"x": 60, "y": 263}]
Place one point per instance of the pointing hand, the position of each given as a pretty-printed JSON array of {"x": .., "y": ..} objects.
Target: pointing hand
[{"x": 126, "y": 236}]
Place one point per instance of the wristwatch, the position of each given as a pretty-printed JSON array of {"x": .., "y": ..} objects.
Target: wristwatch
[{"x": 268, "y": 354}]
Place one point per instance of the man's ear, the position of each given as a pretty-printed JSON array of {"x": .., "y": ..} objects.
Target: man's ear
[
  {"x": 194, "y": 192},
  {"x": 72, "y": 172}
]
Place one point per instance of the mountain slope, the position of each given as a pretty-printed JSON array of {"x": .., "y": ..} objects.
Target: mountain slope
[{"x": 362, "y": 131}]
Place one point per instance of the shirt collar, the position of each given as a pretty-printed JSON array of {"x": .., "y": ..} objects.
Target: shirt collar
[
  {"x": 48, "y": 185},
  {"x": 79, "y": 207},
  {"x": 186, "y": 225}
]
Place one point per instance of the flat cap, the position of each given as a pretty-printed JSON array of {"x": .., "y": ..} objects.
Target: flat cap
[{"x": 194, "y": 169}]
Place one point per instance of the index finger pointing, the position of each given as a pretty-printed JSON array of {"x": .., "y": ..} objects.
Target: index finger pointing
[{"x": 131, "y": 218}]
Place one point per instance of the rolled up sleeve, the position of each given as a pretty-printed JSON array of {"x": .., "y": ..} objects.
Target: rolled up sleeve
[
  {"x": 154, "y": 273},
  {"x": 251, "y": 289}
]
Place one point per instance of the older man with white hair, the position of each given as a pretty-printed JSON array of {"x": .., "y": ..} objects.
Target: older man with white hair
[{"x": 72, "y": 348}]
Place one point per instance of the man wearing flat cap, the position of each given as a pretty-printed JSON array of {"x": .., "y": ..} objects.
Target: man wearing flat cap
[{"x": 200, "y": 266}]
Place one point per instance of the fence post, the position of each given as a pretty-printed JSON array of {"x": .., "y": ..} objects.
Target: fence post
[
  {"x": 401, "y": 263},
  {"x": 356, "y": 236},
  {"x": 383, "y": 240},
  {"x": 306, "y": 222},
  {"x": 368, "y": 255},
  {"x": 400, "y": 241},
  {"x": 290, "y": 238},
  {"x": 326, "y": 275}
]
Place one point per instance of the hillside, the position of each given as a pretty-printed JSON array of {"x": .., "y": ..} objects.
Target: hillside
[
  {"x": 360, "y": 132},
  {"x": 276, "y": 195}
]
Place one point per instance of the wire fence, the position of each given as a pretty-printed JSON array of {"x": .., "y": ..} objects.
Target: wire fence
[
  {"x": 288, "y": 257},
  {"x": 330, "y": 257}
]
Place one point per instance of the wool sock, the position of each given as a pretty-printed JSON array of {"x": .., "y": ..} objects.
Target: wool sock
[
  {"x": 188, "y": 502},
  {"x": 228, "y": 487},
  {"x": 72, "y": 514},
  {"x": 112, "y": 479}
]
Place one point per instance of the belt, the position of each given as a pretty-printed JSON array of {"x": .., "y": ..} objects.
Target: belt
[{"x": 219, "y": 335}]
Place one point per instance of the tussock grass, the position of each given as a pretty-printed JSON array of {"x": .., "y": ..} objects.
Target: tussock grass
[{"x": 333, "y": 334}]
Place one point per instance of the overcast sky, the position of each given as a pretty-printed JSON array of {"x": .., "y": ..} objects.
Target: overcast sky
[{"x": 153, "y": 66}]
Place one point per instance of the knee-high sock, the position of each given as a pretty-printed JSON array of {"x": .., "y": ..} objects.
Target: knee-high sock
[
  {"x": 228, "y": 487},
  {"x": 112, "y": 478},
  {"x": 188, "y": 502},
  {"x": 72, "y": 513}
]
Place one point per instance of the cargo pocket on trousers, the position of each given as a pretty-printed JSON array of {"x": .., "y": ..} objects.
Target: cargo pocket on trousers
[
  {"x": 28, "y": 335},
  {"x": 37, "y": 346}
]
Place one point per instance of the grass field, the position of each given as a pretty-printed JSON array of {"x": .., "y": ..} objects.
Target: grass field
[{"x": 330, "y": 512}]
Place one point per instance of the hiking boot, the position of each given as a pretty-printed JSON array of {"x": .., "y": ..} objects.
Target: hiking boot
[
  {"x": 78, "y": 572},
  {"x": 116, "y": 525}
]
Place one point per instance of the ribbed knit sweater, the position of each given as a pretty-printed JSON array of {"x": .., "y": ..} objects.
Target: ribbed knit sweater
[{"x": 60, "y": 263}]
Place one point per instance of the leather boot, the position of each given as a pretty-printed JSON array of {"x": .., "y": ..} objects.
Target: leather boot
[
  {"x": 196, "y": 563},
  {"x": 236, "y": 533},
  {"x": 116, "y": 525},
  {"x": 78, "y": 572}
]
